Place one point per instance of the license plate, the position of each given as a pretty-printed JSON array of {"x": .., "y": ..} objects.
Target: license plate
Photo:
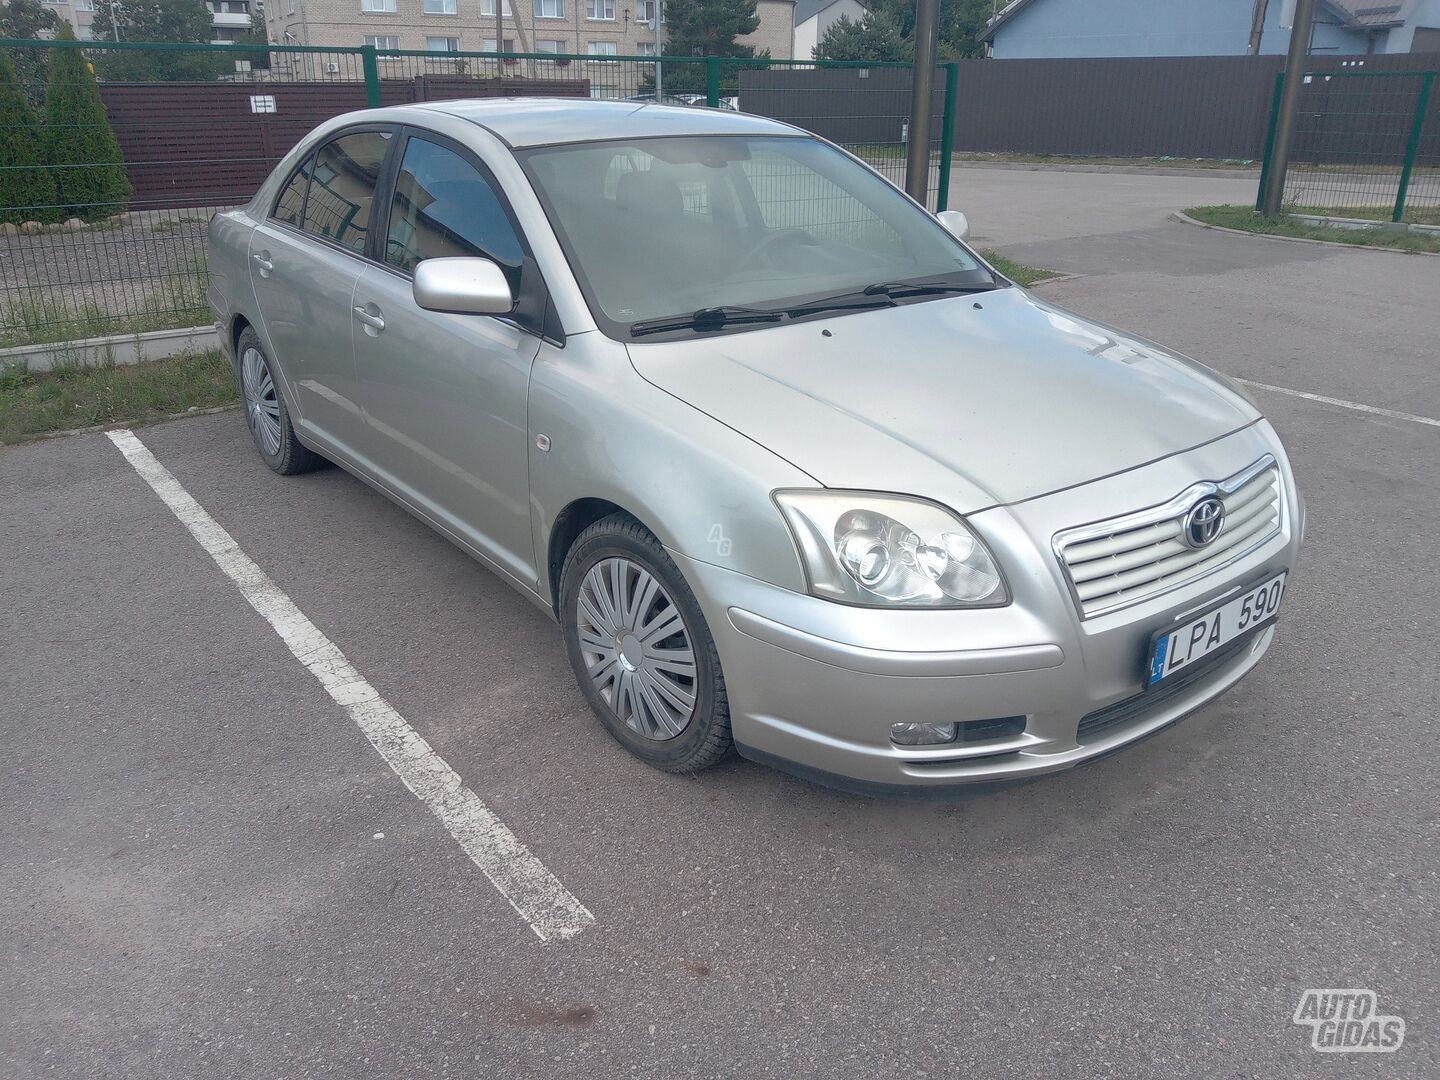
[{"x": 1185, "y": 646}]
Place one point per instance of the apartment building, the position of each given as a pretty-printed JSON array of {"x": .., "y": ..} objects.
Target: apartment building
[
  {"x": 575, "y": 27},
  {"x": 228, "y": 18},
  {"x": 78, "y": 13}
]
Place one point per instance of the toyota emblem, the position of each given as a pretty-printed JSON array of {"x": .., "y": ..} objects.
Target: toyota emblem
[{"x": 1204, "y": 522}]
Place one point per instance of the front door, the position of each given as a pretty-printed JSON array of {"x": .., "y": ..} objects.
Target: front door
[
  {"x": 444, "y": 396},
  {"x": 305, "y": 259}
]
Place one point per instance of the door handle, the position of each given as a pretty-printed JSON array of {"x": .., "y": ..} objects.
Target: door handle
[
  {"x": 263, "y": 262},
  {"x": 372, "y": 320}
]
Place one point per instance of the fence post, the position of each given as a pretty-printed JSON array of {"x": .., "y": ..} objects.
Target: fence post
[
  {"x": 1414, "y": 146},
  {"x": 1269, "y": 140},
  {"x": 712, "y": 81},
  {"x": 947, "y": 134},
  {"x": 372, "y": 76}
]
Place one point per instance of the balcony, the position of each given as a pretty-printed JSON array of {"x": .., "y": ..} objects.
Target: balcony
[{"x": 225, "y": 18}]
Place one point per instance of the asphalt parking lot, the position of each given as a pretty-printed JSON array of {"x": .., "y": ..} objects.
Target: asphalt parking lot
[{"x": 207, "y": 870}]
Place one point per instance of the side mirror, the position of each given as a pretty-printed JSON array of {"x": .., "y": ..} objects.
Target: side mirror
[
  {"x": 956, "y": 223},
  {"x": 463, "y": 287}
]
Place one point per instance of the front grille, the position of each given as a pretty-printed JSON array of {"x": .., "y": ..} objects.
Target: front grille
[
  {"x": 1121, "y": 561},
  {"x": 1149, "y": 702}
]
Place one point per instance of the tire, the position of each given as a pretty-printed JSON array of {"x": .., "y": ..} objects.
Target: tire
[
  {"x": 266, "y": 413},
  {"x": 638, "y": 688}
]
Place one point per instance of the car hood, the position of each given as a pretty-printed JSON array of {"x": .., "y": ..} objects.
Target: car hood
[{"x": 970, "y": 400}]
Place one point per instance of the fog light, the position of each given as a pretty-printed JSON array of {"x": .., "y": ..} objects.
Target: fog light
[{"x": 921, "y": 734}]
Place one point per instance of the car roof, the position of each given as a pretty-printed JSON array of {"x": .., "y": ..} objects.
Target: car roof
[{"x": 523, "y": 122}]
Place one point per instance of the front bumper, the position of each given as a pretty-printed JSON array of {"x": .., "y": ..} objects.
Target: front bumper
[{"x": 814, "y": 686}]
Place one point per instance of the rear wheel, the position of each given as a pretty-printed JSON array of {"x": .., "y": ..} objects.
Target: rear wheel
[
  {"x": 640, "y": 649},
  {"x": 265, "y": 411}
]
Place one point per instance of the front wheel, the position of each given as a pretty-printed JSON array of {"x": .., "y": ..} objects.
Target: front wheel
[{"x": 640, "y": 649}]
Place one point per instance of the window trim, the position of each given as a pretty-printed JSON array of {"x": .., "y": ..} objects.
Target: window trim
[
  {"x": 386, "y": 166},
  {"x": 441, "y": 14},
  {"x": 599, "y": 5}
]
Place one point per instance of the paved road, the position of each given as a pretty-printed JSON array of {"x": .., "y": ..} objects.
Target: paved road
[{"x": 194, "y": 882}]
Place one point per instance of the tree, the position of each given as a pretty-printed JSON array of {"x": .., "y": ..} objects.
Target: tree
[
  {"x": 962, "y": 22},
  {"x": 80, "y": 148},
  {"x": 28, "y": 19},
  {"x": 876, "y": 36},
  {"x": 161, "y": 21},
  {"x": 705, "y": 28},
  {"x": 27, "y": 192}
]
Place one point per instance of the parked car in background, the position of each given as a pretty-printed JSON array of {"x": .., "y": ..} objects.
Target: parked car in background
[
  {"x": 795, "y": 469},
  {"x": 694, "y": 100}
]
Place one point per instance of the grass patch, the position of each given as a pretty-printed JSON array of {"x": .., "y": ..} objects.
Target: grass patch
[
  {"x": 1246, "y": 219},
  {"x": 33, "y": 403},
  {"x": 1017, "y": 272}
]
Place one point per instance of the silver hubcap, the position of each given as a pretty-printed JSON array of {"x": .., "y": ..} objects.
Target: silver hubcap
[
  {"x": 637, "y": 648},
  {"x": 262, "y": 406}
]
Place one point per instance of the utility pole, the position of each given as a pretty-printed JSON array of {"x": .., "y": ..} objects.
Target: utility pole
[
  {"x": 1257, "y": 25},
  {"x": 917, "y": 156},
  {"x": 659, "y": 49},
  {"x": 1274, "y": 194}
]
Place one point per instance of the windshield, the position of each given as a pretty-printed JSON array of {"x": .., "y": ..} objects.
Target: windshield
[{"x": 664, "y": 228}]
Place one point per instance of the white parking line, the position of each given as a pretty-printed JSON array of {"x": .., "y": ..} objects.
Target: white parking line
[
  {"x": 550, "y": 909},
  {"x": 1343, "y": 404}
]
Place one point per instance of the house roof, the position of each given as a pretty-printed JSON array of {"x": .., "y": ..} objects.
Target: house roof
[
  {"x": 1369, "y": 15},
  {"x": 808, "y": 9},
  {"x": 1359, "y": 14}
]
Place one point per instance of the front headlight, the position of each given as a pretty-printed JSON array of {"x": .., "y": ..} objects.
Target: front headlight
[{"x": 860, "y": 547}]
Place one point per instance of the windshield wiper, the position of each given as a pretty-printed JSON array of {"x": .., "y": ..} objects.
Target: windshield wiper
[
  {"x": 902, "y": 289},
  {"x": 711, "y": 318},
  {"x": 882, "y": 294}
]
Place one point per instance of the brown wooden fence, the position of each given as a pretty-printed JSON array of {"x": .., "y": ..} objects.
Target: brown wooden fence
[{"x": 213, "y": 144}]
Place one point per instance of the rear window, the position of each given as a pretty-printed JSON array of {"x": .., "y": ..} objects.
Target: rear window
[{"x": 342, "y": 187}]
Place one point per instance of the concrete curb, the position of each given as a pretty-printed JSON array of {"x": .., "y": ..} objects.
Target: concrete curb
[
  {"x": 1188, "y": 220},
  {"x": 1129, "y": 170},
  {"x": 116, "y": 349},
  {"x": 126, "y": 423}
]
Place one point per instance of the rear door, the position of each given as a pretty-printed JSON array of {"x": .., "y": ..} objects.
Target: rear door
[
  {"x": 305, "y": 259},
  {"x": 445, "y": 395}
]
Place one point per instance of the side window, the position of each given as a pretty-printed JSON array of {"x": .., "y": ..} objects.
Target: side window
[
  {"x": 445, "y": 207},
  {"x": 342, "y": 187},
  {"x": 290, "y": 206}
]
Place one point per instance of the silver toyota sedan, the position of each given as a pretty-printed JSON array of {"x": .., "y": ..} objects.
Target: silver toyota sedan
[{"x": 794, "y": 468}]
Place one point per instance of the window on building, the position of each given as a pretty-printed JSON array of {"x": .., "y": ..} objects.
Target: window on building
[
  {"x": 645, "y": 48},
  {"x": 487, "y": 7},
  {"x": 442, "y": 44},
  {"x": 444, "y": 207},
  {"x": 600, "y": 9},
  {"x": 383, "y": 43},
  {"x": 439, "y": 7},
  {"x": 549, "y": 9},
  {"x": 84, "y": 5},
  {"x": 601, "y": 48},
  {"x": 645, "y": 10},
  {"x": 378, "y": 7},
  {"x": 488, "y": 45},
  {"x": 549, "y": 45},
  {"x": 342, "y": 187}
]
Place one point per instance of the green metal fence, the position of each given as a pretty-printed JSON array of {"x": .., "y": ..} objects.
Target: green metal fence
[
  {"x": 1366, "y": 145},
  {"x": 135, "y": 145}
]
